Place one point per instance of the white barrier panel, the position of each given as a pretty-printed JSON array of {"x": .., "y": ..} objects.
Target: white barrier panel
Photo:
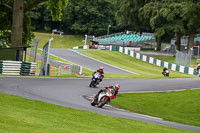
[
  {"x": 137, "y": 56},
  {"x": 75, "y": 47},
  {"x": 182, "y": 69},
  {"x": 166, "y": 64},
  {"x": 110, "y": 47},
  {"x": 151, "y": 60},
  {"x": 126, "y": 51},
  {"x": 144, "y": 58},
  {"x": 174, "y": 67},
  {"x": 191, "y": 71},
  {"x": 121, "y": 49},
  {"x": 131, "y": 54},
  {"x": 158, "y": 62}
]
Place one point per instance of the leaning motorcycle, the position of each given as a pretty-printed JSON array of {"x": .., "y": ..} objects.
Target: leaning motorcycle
[
  {"x": 95, "y": 79},
  {"x": 104, "y": 98},
  {"x": 166, "y": 73}
]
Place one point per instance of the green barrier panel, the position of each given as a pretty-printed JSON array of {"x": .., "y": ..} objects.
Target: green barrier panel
[
  {"x": 154, "y": 61},
  {"x": 186, "y": 70},
  {"x": 115, "y": 48},
  {"x": 195, "y": 72},
  {"x": 147, "y": 60},
  {"x": 177, "y": 68},
  {"x": 162, "y": 63},
  {"x": 141, "y": 56},
  {"x": 169, "y": 66},
  {"x": 135, "y": 54},
  {"x": 25, "y": 68},
  {"x": 129, "y": 52}
]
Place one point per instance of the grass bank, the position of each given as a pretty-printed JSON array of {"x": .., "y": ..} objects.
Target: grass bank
[
  {"x": 19, "y": 115},
  {"x": 60, "y": 41},
  {"x": 143, "y": 69},
  {"x": 181, "y": 107}
]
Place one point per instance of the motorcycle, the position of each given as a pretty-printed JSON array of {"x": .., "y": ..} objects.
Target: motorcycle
[
  {"x": 95, "y": 79},
  {"x": 166, "y": 73},
  {"x": 198, "y": 73},
  {"x": 104, "y": 98}
]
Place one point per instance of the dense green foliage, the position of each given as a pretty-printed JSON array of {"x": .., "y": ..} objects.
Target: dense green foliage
[
  {"x": 182, "y": 107},
  {"x": 8, "y": 23},
  {"x": 79, "y": 17},
  {"x": 164, "y": 17}
]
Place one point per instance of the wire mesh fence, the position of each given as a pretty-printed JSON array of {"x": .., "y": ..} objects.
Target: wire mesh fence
[
  {"x": 183, "y": 58},
  {"x": 33, "y": 52}
]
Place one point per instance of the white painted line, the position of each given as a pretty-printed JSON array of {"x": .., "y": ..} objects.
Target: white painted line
[
  {"x": 105, "y": 63},
  {"x": 159, "y": 91},
  {"x": 142, "y": 115}
]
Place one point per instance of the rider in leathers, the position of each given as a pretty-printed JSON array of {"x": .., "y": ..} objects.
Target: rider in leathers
[
  {"x": 116, "y": 88},
  {"x": 100, "y": 70}
]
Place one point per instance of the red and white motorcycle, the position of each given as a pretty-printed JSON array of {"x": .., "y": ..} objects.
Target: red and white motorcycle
[{"x": 104, "y": 98}]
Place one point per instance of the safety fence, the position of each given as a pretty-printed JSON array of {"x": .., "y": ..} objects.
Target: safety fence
[
  {"x": 17, "y": 68},
  {"x": 157, "y": 62},
  {"x": 61, "y": 68}
]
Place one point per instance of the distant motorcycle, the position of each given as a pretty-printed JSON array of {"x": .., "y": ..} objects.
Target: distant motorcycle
[
  {"x": 95, "y": 79},
  {"x": 166, "y": 73},
  {"x": 199, "y": 72},
  {"x": 104, "y": 98}
]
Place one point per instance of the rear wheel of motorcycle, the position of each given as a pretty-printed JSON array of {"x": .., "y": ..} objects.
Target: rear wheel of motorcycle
[{"x": 102, "y": 103}]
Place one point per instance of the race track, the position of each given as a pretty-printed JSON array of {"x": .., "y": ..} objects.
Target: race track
[
  {"x": 87, "y": 62},
  {"x": 74, "y": 93}
]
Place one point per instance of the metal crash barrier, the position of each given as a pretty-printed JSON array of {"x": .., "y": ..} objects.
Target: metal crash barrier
[{"x": 17, "y": 68}]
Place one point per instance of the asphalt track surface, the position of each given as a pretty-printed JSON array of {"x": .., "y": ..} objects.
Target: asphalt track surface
[
  {"x": 75, "y": 93},
  {"x": 79, "y": 59}
]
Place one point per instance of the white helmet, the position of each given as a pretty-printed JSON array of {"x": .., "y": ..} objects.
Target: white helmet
[{"x": 101, "y": 68}]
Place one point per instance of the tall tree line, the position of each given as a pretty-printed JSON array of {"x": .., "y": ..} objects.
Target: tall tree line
[
  {"x": 163, "y": 17},
  {"x": 180, "y": 17}
]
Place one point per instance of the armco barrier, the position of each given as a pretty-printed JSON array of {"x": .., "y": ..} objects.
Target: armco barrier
[
  {"x": 17, "y": 68},
  {"x": 157, "y": 62}
]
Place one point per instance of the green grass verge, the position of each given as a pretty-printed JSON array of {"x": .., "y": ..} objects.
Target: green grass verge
[
  {"x": 145, "y": 70},
  {"x": 63, "y": 41},
  {"x": 182, "y": 106},
  {"x": 19, "y": 115}
]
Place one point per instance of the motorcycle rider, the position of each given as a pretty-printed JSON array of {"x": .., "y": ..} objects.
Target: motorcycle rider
[
  {"x": 164, "y": 69},
  {"x": 115, "y": 88},
  {"x": 100, "y": 70},
  {"x": 198, "y": 68}
]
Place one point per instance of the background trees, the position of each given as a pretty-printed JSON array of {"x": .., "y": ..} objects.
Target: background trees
[{"x": 164, "y": 17}]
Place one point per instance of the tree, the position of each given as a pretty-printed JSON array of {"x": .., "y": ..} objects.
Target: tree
[
  {"x": 89, "y": 17},
  {"x": 191, "y": 17},
  {"x": 20, "y": 7},
  {"x": 165, "y": 17},
  {"x": 128, "y": 15}
]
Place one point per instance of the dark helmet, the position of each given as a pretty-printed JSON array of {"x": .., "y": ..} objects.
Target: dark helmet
[{"x": 117, "y": 86}]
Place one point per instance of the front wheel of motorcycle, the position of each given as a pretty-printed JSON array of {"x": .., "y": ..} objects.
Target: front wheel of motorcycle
[
  {"x": 102, "y": 103},
  {"x": 93, "y": 102}
]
